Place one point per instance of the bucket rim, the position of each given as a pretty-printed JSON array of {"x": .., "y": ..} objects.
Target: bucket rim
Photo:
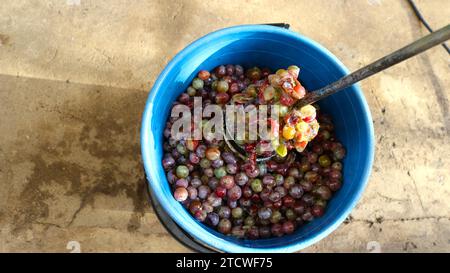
[{"x": 197, "y": 231}]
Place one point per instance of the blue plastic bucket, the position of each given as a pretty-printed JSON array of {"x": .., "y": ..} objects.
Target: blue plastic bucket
[{"x": 273, "y": 47}]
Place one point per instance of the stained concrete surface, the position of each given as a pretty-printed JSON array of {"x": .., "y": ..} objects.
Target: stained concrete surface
[{"x": 74, "y": 77}]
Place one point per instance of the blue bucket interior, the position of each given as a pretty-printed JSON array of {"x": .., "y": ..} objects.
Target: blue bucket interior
[{"x": 264, "y": 46}]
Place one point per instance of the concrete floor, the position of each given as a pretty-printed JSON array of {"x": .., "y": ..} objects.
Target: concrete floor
[{"x": 74, "y": 77}]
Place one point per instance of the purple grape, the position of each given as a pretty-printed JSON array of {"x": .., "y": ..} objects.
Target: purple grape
[
  {"x": 232, "y": 203},
  {"x": 168, "y": 162},
  {"x": 296, "y": 191},
  {"x": 195, "y": 182},
  {"x": 231, "y": 168},
  {"x": 201, "y": 150},
  {"x": 182, "y": 183},
  {"x": 235, "y": 193},
  {"x": 171, "y": 177},
  {"x": 213, "y": 183},
  {"x": 203, "y": 191},
  {"x": 217, "y": 163},
  {"x": 213, "y": 219},
  {"x": 241, "y": 179},
  {"x": 193, "y": 158},
  {"x": 281, "y": 190},
  {"x": 192, "y": 192},
  {"x": 268, "y": 180},
  {"x": 229, "y": 158},
  {"x": 264, "y": 213},
  {"x": 275, "y": 196},
  {"x": 224, "y": 212}
]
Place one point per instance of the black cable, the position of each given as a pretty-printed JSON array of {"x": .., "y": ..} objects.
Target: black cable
[
  {"x": 282, "y": 25},
  {"x": 424, "y": 22}
]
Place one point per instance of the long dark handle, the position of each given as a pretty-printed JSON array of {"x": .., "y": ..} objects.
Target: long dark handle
[{"x": 402, "y": 54}]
